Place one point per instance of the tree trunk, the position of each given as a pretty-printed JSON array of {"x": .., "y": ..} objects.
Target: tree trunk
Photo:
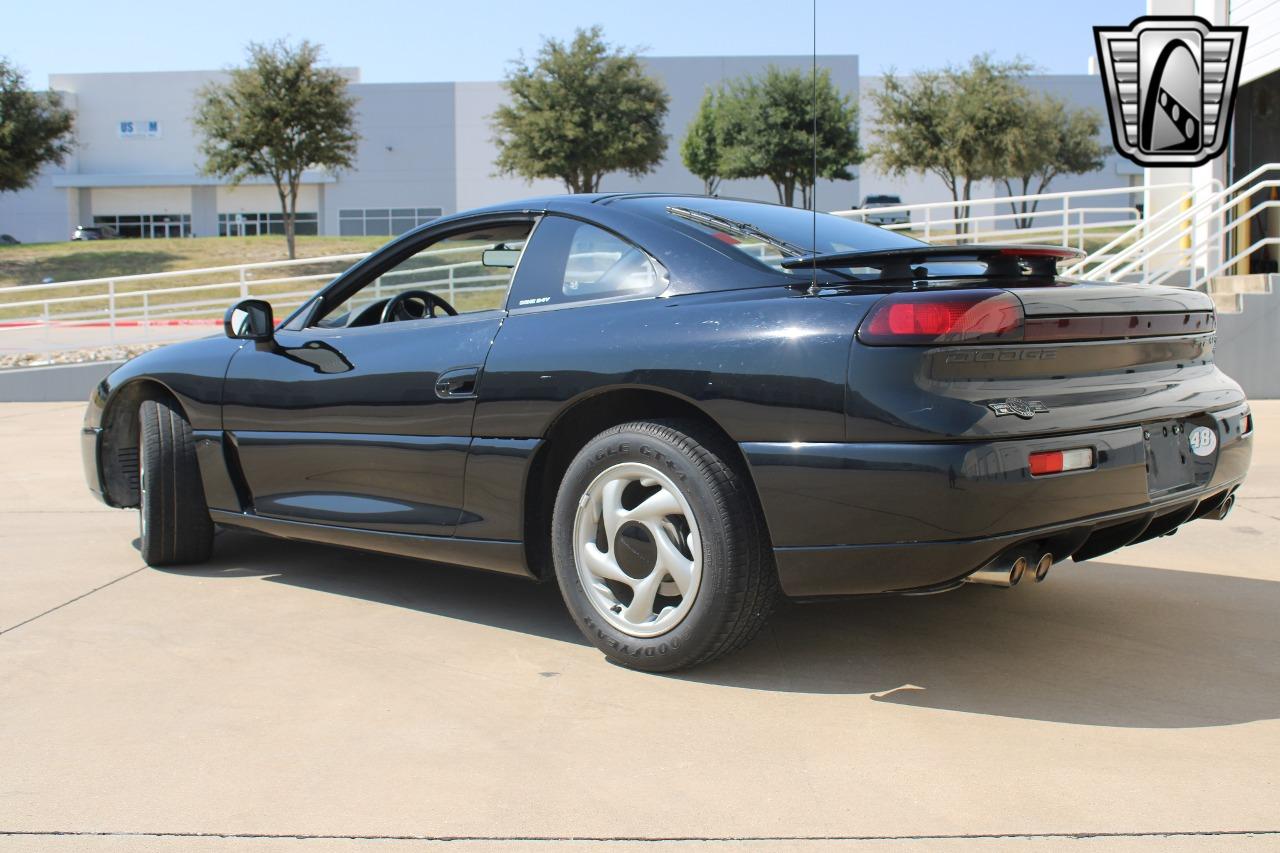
[
  {"x": 955, "y": 209},
  {"x": 284, "y": 214},
  {"x": 968, "y": 185},
  {"x": 1013, "y": 208},
  {"x": 291, "y": 223},
  {"x": 1044, "y": 185}
]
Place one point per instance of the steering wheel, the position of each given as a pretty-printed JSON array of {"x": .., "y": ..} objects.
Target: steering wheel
[{"x": 414, "y": 305}]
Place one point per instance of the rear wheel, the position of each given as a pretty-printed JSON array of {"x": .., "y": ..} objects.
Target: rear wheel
[
  {"x": 173, "y": 517},
  {"x": 659, "y": 549}
]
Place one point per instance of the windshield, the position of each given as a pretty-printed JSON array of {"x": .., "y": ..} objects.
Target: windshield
[{"x": 774, "y": 232}]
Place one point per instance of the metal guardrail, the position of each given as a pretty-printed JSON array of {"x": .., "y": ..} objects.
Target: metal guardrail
[
  {"x": 142, "y": 299},
  {"x": 1064, "y": 221},
  {"x": 1193, "y": 233}
]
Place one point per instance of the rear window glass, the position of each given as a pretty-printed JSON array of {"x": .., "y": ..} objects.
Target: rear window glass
[{"x": 785, "y": 231}]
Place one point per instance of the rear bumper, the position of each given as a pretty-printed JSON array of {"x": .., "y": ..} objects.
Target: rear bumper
[{"x": 857, "y": 519}]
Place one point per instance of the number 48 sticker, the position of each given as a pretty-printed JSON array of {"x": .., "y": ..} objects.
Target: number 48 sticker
[{"x": 1203, "y": 441}]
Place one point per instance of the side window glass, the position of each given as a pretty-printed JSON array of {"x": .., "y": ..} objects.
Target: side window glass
[
  {"x": 469, "y": 271},
  {"x": 571, "y": 261}
]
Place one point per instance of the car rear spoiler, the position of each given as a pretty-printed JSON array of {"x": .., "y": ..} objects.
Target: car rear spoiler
[{"x": 1036, "y": 261}]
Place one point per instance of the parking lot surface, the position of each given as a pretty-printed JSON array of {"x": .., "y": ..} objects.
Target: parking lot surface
[{"x": 289, "y": 697}]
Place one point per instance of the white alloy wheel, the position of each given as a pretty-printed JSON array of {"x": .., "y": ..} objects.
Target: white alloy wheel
[{"x": 637, "y": 549}]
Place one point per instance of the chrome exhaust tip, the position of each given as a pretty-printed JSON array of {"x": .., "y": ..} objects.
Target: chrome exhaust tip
[
  {"x": 1000, "y": 572},
  {"x": 1042, "y": 567},
  {"x": 1223, "y": 509},
  {"x": 1019, "y": 569}
]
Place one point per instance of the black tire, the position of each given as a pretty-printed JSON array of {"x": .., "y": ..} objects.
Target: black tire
[
  {"x": 738, "y": 585},
  {"x": 173, "y": 516}
]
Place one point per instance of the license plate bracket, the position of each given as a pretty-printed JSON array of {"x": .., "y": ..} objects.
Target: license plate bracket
[{"x": 1172, "y": 465}]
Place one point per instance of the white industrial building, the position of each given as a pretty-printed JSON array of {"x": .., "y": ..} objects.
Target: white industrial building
[{"x": 426, "y": 149}]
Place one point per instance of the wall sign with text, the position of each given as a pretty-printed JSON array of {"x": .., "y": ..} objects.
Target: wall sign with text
[{"x": 130, "y": 129}]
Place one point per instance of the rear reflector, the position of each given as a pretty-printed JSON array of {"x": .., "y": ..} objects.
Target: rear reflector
[
  {"x": 1058, "y": 461},
  {"x": 941, "y": 317}
]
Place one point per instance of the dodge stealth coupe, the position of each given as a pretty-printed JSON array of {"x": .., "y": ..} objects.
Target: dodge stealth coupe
[{"x": 678, "y": 408}]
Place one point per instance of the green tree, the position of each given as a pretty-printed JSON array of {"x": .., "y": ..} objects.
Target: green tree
[
  {"x": 700, "y": 150},
  {"x": 35, "y": 129},
  {"x": 1049, "y": 139},
  {"x": 580, "y": 111},
  {"x": 952, "y": 123},
  {"x": 275, "y": 118},
  {"x": 766, "y": 128}
]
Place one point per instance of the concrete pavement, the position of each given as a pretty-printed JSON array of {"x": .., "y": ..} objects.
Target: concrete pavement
[{"x": 294, "y": 697}]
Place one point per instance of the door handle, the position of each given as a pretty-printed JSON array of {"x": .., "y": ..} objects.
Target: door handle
[{"x": 458, "y": 382}]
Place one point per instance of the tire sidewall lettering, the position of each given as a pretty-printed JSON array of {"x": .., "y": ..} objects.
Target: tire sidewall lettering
[{"x": 630, "y": 646}]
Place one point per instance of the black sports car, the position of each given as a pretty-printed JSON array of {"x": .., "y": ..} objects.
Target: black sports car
[{"x": 676, "y": 406}]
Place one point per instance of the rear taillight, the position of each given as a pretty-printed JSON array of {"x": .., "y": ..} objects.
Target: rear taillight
[{"x": 982, "y": 316}]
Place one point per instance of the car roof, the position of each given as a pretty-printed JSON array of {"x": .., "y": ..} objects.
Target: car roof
[{"x": 695, "y": 260}]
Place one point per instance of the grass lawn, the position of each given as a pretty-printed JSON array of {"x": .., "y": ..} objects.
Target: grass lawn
[{"x": 31, "y": 263}]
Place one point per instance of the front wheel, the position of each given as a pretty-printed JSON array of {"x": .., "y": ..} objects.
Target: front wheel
[
  {"x": 659, "y": 548},
  {"x": 173, "y": 517}
]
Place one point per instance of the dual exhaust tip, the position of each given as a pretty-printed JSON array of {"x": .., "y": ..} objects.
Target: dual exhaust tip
[{"x": 1009, "y": 569}]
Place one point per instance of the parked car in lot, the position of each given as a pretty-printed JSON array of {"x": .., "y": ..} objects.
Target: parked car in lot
[
  {"x": 674, "y": 407},
  {"x": 895, "y": 217},
  {"x": 94, "y": 232}
]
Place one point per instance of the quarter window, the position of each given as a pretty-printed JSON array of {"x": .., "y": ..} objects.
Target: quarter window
[
  {"x": 572, "y": 261},
  {"x": 600, "y": 264}
]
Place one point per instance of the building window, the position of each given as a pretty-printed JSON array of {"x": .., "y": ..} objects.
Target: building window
[
  {"x": 383, "y": 221},
  {"x": 258, "y": 224},
  {"x": 148, "y": 225}
]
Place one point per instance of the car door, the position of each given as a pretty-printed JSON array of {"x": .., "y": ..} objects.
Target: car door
[{"x": 347, "y": 421}]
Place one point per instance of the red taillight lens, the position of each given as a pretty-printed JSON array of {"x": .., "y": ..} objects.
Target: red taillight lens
[
  {"x": 1057, "y": 461},
  {"x": 933, "y": 318}
]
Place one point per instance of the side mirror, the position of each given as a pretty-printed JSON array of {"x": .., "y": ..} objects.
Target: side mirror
[
  {"x": 500, "y": 257},
  {"x": 250, "y": 320}
]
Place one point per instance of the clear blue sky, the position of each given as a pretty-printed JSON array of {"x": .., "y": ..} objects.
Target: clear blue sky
[{"x": 473, "y": 39}]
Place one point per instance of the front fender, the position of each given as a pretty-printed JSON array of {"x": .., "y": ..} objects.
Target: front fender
[{"x": 191, "y": 373}]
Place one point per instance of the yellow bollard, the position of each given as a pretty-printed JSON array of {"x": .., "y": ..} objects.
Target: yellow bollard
[{"x": 1185, "y": 242}]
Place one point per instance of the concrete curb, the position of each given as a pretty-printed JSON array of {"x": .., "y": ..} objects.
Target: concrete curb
[{"x": 53, "y": 384}]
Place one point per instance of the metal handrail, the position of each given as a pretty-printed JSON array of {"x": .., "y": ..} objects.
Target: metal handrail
[
  {"x": 1188, "y": 226},
  {"x": 1064, "y": 194},
  {"x": 1140, "y": 249},
  {"x": 1239, "y": 256}
]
